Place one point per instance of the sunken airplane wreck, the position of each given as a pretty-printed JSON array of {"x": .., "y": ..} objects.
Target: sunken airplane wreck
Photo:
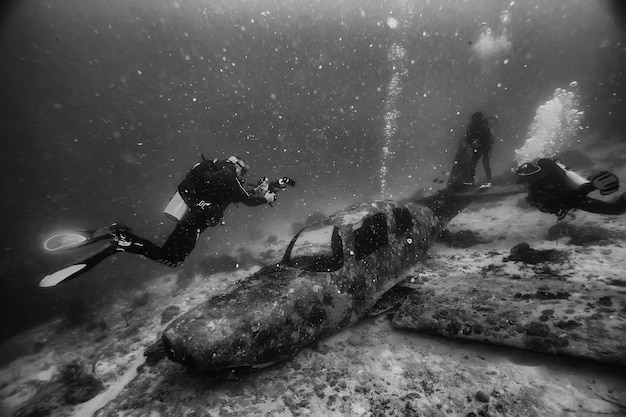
[{"x": 331, "y": 276}]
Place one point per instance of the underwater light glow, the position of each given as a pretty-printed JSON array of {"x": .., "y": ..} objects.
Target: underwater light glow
[{"x": 63, "y": 240}]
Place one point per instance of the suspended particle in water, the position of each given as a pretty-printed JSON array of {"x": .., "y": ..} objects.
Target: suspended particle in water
[
  {"x": 505, "y": 17},
  {"x": 392, "y": 23}
]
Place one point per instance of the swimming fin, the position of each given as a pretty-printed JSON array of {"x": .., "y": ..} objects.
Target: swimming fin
[
  {"x": 605, "y": 182},
  {"x": 80, "y": 267},
  {"x": 73, "y": 240}
]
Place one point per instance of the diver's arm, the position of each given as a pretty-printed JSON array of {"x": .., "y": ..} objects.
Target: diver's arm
[
  {"x": 468, "y": 135},
  {"x": 240, "y": 194},
  {"x": 492, "y": 136}
]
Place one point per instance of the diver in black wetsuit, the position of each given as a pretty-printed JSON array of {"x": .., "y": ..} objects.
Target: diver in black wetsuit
[
  {"x": 552, "y": 188},
  {"x": 207, "y": 190},
  {"x": 480, "y": 137}
]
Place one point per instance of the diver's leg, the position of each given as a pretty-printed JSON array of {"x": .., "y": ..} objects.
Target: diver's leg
[
  {"x": 126, "y": 241},
  {"x": 617, "y": 206},
  {"x": 486, "y": 164},
  {"x": 183, "y": 239},
  {"x": 472, "y": 168}
]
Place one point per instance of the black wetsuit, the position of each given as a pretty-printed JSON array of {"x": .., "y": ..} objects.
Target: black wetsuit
[
  {"x": 479, "y": 136},
  {"x": 208, "y": 189},
  {"x": 548, "y": 191}
]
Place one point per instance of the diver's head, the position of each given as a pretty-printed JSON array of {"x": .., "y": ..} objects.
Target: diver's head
[
  {"x": 240, "y": 165},
  {"x": 477, "y": 117}
]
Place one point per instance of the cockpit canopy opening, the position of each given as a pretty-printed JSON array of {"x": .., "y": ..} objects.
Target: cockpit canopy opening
[
  {"x": 370, "y": 236},
  {"x": 317, "y": 248},
  {"x": 404, "y": 220}
]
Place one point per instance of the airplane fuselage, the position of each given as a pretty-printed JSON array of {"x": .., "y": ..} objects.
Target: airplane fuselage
[{"x": 332, "y": 274}]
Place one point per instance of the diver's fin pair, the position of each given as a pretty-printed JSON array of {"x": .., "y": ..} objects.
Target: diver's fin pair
[
  {"x": 80, "y": 267},
  {"x": 73, "y": 240},
  {"x": 605, "y": 182}
]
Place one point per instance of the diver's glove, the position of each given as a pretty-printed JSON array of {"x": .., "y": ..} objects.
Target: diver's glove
[
  {"x": 270, "y": 197},
  {"x": 262, "y": 186}
]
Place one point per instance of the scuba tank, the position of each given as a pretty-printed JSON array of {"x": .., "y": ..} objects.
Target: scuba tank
[
  {"x": 573, "y": 180},
  {"x": 176, "y": 208}
]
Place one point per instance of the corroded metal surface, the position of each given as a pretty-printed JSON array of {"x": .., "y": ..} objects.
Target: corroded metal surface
[
  {"x": 274, "y": 313},
  {"x": 550, "y": 316}
]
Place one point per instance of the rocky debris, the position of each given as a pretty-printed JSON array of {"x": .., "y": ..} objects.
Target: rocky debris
[
  {"x": 567, "y": 325},
  {"x": 80, "y": 386},
  {"x": 154, "y": 353},
  {"x": 616, "y": 282},
  {"x": 540, "y": 338},
  {"x": 522, "y": 252},
  {"x": 543, "y": 294},
  {"x": 605, "y": 301},
  {"x": 140, "y": 300},
  {"x": 482, "y": 397},
  {"x": 169, "y": 313}
]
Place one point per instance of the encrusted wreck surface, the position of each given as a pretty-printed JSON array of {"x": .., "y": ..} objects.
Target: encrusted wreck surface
[
  {"x": 554, "y": 306},
  {"x": 332, "y": 275}
]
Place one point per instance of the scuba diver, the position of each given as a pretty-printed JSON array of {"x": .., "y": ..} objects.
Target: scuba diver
[
  {"x": 553, "y": 188},
  {"x": 203, "y": 195},
  {"x": 207, "y": 190},
  {"x": 479, "y": 136}
]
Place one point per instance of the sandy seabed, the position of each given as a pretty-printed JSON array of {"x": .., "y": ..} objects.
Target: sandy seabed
[{"x": 370, "y": 369}]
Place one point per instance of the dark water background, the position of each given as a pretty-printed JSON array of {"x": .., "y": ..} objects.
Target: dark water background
[{"x": 106, "y": 104}]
